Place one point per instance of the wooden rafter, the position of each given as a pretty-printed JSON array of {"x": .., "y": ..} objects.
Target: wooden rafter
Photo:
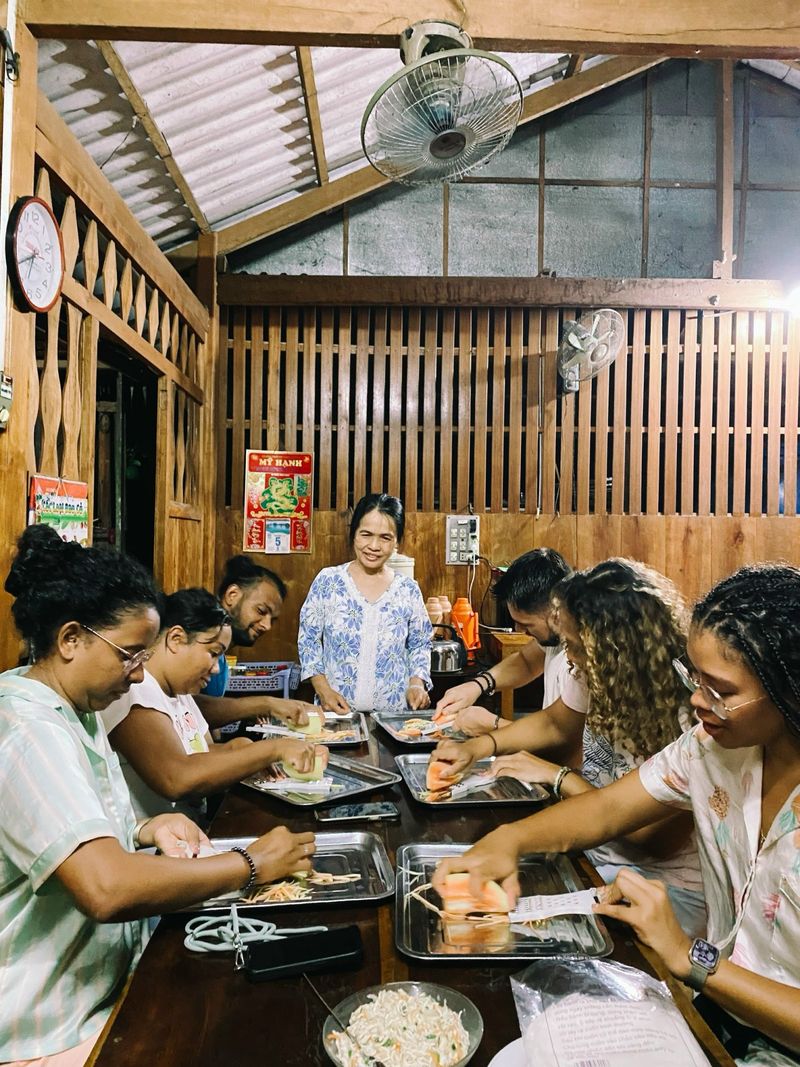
[
  {"x": 367, "y": 179},
  {"x": 723, "y": 267},
  {"x": 151, "y": 128},
  {"x": 309, "y": 84},
  {"x": 681, "y": 28},
  {"x": 576, "y": 61}
]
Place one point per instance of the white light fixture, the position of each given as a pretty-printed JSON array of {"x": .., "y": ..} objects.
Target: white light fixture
[{"x": 793, "y": 302}]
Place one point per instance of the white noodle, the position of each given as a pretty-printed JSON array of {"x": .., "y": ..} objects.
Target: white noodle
[{"x": 402, "y": 1030}]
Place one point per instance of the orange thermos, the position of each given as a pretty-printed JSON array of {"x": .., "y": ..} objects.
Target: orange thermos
[{"x": 465, "y": 620}]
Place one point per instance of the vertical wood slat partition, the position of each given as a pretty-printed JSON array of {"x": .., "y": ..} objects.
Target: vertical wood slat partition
[{"x": 451, "y": 407}]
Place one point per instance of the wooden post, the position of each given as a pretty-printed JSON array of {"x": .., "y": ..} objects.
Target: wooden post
[
  {"x": 723, "y": 267},
  {"x": 210, "y": 431},
  {"x": 17, "y": 457}
]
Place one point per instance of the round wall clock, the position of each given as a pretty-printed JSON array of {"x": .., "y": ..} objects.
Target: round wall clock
[{"x": 35, "y": 254}]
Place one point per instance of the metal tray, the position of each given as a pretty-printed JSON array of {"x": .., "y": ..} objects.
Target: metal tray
[
  {"x": 339, "y": 732},
  {"x": 360, "y": 852},
  {"x": 419, "y": 932},
  {"x": 354, "y": 777},
  {"x": 497, "y": 791},
  {"x": 392, "y": 721}
]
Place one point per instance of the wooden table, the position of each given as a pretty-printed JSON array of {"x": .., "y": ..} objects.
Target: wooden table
[{"x": 184, "y": 1009}]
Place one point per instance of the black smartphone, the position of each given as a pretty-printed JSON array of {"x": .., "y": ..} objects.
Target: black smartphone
[
  {"x": 321, "y": 952},
  {"x": 377, "y": 810}
]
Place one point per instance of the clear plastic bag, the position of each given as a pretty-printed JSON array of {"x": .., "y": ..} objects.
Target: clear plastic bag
[{"x": 596, "y": 1013}]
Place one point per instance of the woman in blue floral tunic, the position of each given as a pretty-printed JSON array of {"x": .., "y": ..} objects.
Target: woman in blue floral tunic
[
  {"x": 365, "y": 638},
  {"x": 738, "y": 772}
]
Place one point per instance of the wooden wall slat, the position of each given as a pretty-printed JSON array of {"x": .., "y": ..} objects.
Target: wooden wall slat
[
  {"x": 257, "y": 378},
  {"x": 359, "y": 414},
  {"x": 429, "y": 405},
  {"x": 653, "y": 482},
  {"x": 395, "y": 400},
  {"x": 481, "y": 390},
  {"x": 688, "y": 407},
  {"x": 379, "y": 416},
  {"x": 774, "y": 420},
  {"x": 238, "y": 411},
  {"x": 180, "y": 431},
  {"x": 290, "y": 379},
  {"x": 548, "y": 401},
  {"x": 497, "y": 449},
  {"x": 534, "y": 413},
  {"x": 566, "y": 454},
  {"x": 705, "y": 453},
  {"x": 71, "y": 406},
  {"x": 584, "y": 473},
  {"x": 722, "y": 416},
  {"x": 741, "y": 364},
  {"x": 309, "y": 404},
  {"x": 90, "y": 330},
  {"x": 757, "y": 397},
  {"x": 792, "y": 433},
  {"x": 274, "y": 378},
  {"x": 670, "y": 504},
  {"x": 620, "y": 423},
  {"x": 638, "y": 402},
  {"x": 465, "y": 383},
  {"x": 602, "y": 385},
  {"x": 446, "y": 442},
  {"x": 50, "y": 396},
  {"x": 343, "y": 414},
  {"x": 322, "y": 472},
  {"x": 411, "y": 489},
  {"x": 515, "y": 438}
]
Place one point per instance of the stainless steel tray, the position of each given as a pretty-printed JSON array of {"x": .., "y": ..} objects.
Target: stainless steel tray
[
  {"x": 392, "y": 722},
  {"x": 419, "y": 932},
  {"x": 351, "y": 730},
  {"x": 359, "y": 852},
  {"x": 498, "y": 790},
  {"x": 351, "y": 778}
]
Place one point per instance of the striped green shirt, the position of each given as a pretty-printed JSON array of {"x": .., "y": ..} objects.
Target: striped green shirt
[{"x": 60, "y": 786}]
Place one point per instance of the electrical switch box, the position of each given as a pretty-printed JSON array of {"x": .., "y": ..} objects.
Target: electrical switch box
[{"x": 461, "y": 545}]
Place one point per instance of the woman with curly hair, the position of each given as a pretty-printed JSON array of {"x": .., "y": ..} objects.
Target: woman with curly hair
[
  {"x": 622, "y": 624},
  {"x": 738, "y": 772}
]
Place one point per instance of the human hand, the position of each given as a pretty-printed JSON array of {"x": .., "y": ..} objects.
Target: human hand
[
  {"x": 525, "y": 768},
  {"x": 459, "y": 754},
  {"x": 173, "y": 834},
  {"x": 649, "y": 911},
  {"x": 417, "y": 697},
  {"x": 290, "y": 712},
  {"x": 280, "y": 852},
  {"x": 300, "y": 755},
  {"x": 456, "y": 699},
  {"x": 475, "y": 721},
  {"x": 493, "y": 858},
  {"x": 330, "y": 700}
]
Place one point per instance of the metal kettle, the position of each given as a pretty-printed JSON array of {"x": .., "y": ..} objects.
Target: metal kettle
[{"x": 448, "y": 656}]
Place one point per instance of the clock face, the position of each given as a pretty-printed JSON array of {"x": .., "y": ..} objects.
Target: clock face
[{"x": 36, "y": 254}]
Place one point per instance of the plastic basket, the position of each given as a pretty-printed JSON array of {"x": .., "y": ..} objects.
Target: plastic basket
[{"x": 264, "y": 678}]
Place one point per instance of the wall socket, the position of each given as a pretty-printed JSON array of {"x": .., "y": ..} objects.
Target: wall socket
[{"x": 461, "y": 546}]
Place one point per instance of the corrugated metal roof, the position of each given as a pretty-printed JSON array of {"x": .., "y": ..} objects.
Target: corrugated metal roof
[{"x": 234, "y": 117}]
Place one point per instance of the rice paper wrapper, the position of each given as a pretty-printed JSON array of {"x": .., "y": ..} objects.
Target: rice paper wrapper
[{"x": 596, "y": 1013}]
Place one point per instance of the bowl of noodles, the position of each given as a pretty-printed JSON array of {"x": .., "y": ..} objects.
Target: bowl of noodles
[{"x": 404, "y": 1024}]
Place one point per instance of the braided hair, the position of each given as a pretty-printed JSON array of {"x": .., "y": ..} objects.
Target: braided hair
[
  {"x": 632, "y": 622},
  {"x": 756, "y": 613}
]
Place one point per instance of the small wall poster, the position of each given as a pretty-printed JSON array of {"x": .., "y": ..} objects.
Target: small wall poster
[
  {"x": 61, "y": 504},
  {"x": 277, "y": 501}
]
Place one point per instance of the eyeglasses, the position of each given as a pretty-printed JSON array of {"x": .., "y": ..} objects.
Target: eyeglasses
[
  {"x": 690, "y": 679},
  {"x": 131, "y": 660}
]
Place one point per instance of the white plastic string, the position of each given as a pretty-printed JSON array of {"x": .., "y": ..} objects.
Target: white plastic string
[{"x": 230, "y": 933}]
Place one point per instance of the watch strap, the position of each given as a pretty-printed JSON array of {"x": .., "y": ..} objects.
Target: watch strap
[{"x": 697, "y": 976}]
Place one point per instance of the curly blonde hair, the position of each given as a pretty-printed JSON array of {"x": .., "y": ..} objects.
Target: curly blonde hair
[{"x": 632, "y": 622}]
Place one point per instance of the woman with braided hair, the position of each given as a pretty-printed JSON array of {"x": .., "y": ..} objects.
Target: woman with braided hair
[{"x": 738, "y": 771}]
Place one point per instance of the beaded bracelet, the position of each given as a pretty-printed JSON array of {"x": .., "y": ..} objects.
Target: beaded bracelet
[
  {"x": 479, "y": 680},
  {"x": 491, "y": 683},
  {"x": 251, "y": 881}
]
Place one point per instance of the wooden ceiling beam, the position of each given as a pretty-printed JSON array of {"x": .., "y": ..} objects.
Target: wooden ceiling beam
[
  {"x": 574, "y": 65},
  {"x": 718, "y": 295},
  {"x": 682, "y": 28},
  {"x": 367, "y": 179},
  {"x": 309, "y": 85},
  {"x": 151, "y": 128}
]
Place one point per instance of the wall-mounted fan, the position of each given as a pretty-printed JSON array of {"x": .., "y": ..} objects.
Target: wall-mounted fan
[
  {"x": 449, "y": 110},
  {"x": 588, "y": 344}
]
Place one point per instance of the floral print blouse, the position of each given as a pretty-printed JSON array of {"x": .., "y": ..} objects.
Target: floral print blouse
[
  {"x": 752, "y": 888},
  {"x": 367, "y": 651}
]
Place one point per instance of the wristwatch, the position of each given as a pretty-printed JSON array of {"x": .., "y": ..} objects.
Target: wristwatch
[{"x": 704, "y": 960}]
